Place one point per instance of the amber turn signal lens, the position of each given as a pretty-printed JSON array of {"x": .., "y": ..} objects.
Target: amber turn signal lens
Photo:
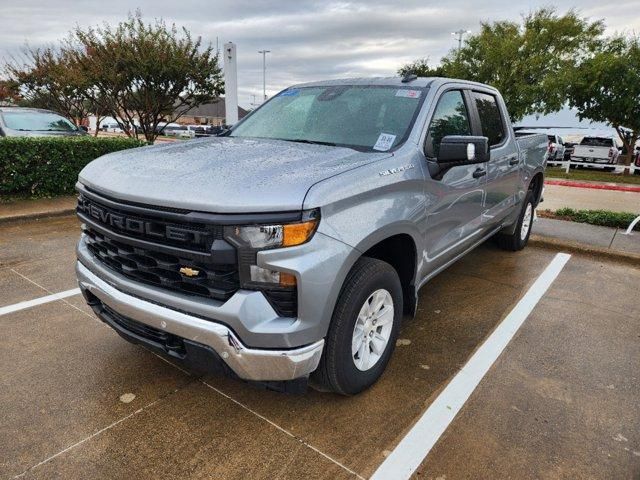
[
  {"x": 287, "y": 279},
  {"x": 297, "y": 233}
]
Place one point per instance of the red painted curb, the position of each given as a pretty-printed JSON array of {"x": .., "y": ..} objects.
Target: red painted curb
[{"x": 597, "y": 186}]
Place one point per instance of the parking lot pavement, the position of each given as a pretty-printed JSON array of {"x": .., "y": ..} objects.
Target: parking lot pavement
[{"x": 561, "y": 401}]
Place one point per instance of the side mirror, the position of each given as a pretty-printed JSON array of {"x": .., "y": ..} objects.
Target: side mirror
[
  {"x": 84, "y": 128},
  {"x": 463, "y": 150}
]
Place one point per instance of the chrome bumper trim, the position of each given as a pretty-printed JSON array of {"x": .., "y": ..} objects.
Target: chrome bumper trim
[{"x": 247, "y": 363}]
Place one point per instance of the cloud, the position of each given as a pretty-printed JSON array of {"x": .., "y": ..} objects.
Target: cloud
[{"x": 309, "y": 40}]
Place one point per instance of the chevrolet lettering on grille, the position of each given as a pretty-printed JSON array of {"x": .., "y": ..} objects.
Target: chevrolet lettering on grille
[{"x": 141, "y": 227}]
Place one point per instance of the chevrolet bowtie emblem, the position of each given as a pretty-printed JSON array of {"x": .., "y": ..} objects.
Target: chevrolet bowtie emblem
[{"x": 189, "y": 272}]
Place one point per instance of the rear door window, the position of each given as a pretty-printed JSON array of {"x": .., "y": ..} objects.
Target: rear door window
[{"x": 490, "y": 117}]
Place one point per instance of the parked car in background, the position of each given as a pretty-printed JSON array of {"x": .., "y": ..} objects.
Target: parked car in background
[
  {"x": 170, "y": 129},
  {"x": 190, "y": 131},
  {"x": 556, "y": 148},
  {"x": 110, "y": 127},
  {"x": 210, "y": 130},
  {"x": 35, "y": 122},
  {"x": 636, "y": 160},
  {"x": 568, "y": 150},
  {"x": 602, "y": 150}
]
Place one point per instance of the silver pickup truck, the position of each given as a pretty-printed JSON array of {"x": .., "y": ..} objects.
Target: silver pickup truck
[{"x": 290, "y": 249}]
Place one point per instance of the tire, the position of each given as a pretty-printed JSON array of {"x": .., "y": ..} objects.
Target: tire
[
  {"x": 519, "y": 238},
  {"x": 338, "y": 371}
]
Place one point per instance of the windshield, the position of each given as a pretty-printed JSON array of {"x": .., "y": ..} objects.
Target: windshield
[
  {"x": 361, "y": 117},
  {"x": 37, "y": 122}
]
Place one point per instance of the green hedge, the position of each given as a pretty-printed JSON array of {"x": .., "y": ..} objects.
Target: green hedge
[
  {"x": 598, "y": 217},
  {"x": 49, "y": 166}
]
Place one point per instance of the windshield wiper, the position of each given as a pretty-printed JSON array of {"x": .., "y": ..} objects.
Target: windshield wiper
[{"x": 312, "y": 142}]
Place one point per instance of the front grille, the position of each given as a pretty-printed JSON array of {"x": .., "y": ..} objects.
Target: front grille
[
  {"x": 192, "y": 236},
  {"x": 178, "y": 251},
  {"x": 163, "y": 270}
]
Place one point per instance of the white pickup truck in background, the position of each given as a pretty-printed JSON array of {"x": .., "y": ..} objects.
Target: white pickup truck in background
[{"x": 602, "y": 150}]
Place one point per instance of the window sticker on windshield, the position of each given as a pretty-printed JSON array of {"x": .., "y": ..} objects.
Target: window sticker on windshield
[
  {"x": 385, "y": 140},
  {"x": 292, "y": 92},
  {"x": 408, "y": 93}
]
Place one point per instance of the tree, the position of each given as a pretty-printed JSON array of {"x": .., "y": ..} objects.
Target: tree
[
  {"x": 529, "y": 62},
  {"x": 47, "y": 79},
  {"x": 145, "y": 74},
  {"x": 606, "y": 88},
  {"x": 9, "y": 92},
  {"x": 421, "y": 68}
]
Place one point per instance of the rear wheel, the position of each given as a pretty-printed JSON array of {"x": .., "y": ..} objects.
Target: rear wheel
[
  {"x": 363, "y": 330},
  {"x": 519, "y": 238}
]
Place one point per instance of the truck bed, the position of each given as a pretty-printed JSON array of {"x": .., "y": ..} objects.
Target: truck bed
[{"x": 532, "y": 148}]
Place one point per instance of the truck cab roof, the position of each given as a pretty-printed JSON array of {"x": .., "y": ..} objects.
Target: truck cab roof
[{"x": 419, "y": 82}]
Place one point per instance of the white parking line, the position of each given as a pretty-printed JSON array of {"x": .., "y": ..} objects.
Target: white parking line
[
  {"x": 417, "y": 443},
  {"x": 285, "y": 431},
  {"x": 95, "y": 434},
  {"x": 38, "y": 301}
]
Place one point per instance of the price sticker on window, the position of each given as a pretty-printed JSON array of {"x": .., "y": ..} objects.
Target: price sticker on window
[
  {"x": 385, "y": 140},
  {"x": 408, "y": 93}
]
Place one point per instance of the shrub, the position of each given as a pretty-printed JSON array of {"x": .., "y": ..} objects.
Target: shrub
[
  {"x": 49, "y": 166},
  {"x": 598, "y": 217}
]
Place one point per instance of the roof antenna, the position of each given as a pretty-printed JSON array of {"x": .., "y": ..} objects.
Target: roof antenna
[{"x": 409, "y": 77}]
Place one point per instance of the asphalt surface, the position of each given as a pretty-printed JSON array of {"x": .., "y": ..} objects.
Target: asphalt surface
[{"x": 562, "y": 400}]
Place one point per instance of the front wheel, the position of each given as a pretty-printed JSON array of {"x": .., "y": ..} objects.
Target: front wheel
[
  {"x": 363, "y": 330},
  {"x": 519, "y": 238}
]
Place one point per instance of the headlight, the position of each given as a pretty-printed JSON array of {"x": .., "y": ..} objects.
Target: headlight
[
  {"x": 277, "y": 236},
  {"x": 279, "y": 287}
]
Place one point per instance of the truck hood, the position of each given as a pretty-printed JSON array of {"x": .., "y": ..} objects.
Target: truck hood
[{"x": 222, "y": 174}]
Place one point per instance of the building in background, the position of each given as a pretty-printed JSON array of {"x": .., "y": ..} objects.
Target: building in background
[{"x": 208, "y": 114}]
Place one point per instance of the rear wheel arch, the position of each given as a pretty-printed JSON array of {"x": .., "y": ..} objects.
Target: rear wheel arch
[{"x": 535, "y": 185}]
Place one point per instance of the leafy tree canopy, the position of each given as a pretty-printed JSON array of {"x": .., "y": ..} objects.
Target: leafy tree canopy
[
  {"x": 140, "y": 74},
  {"x": 9, "y": 92},
  {"x": 527, "y": 62},
  {"x": 421, "y": 68},
  {"x": 46, "y": 79},
  {"x": 146, "y": 73}
]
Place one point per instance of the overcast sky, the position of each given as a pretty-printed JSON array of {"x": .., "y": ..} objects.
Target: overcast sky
[{"x": 309, "y": 40}]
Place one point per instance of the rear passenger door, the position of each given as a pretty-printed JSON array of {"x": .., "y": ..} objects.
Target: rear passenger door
[{"x": 502, "y": 168}]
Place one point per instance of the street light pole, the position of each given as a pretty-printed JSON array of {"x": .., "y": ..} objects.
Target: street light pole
[
  {"x": 460, "y": 33},
  {"x": 264, "y": 73}
]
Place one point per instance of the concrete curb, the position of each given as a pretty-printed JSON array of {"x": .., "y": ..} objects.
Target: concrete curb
[
  {"x": 37, "y": 216},
  {"x": 596, "y": 186},
  {"x": 575, "y": 247}
]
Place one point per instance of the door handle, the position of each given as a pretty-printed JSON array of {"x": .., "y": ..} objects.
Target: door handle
[
  {"x": 479, "y": 172},
  {"x": 514, "y": 161}
]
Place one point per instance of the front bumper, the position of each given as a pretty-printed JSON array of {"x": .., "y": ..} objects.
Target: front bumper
[{"x": 247, "y": 363}]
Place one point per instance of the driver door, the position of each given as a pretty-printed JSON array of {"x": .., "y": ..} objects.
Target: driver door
[{"x": 455, "y": 200}]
